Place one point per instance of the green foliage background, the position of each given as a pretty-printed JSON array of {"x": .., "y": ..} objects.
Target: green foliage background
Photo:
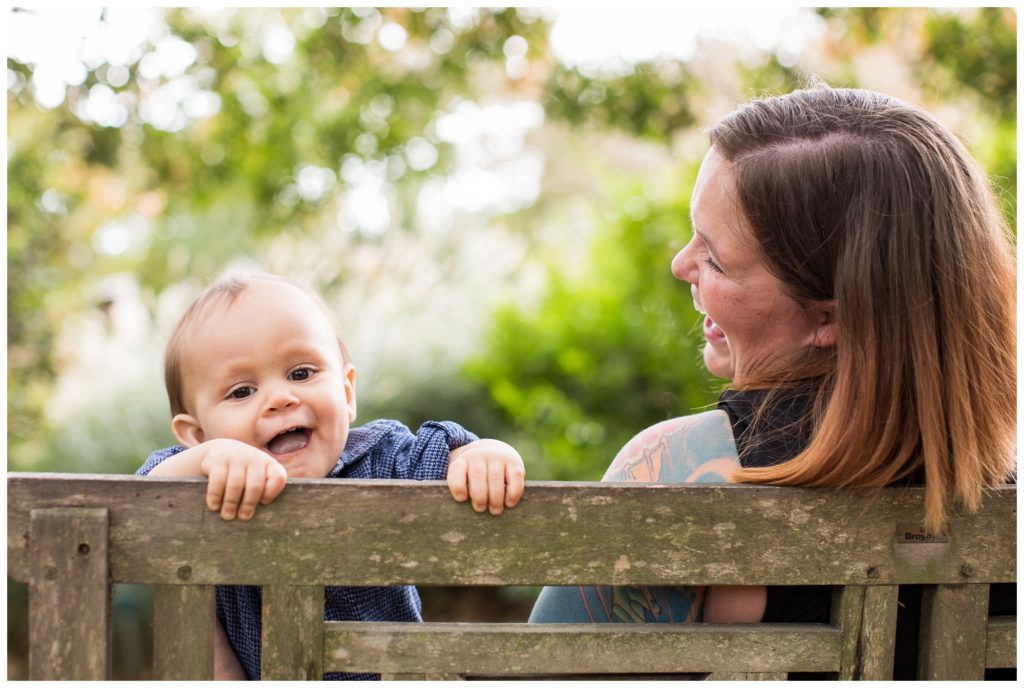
[{"x": 604, "y": 343}]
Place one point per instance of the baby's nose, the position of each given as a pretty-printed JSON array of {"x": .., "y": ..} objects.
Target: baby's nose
[{"x": 281, "y": 397}]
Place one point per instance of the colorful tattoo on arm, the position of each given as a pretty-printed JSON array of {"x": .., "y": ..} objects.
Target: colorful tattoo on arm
[
  {"x": 618, "y": 604},
  {"x": 691, "y": 449}
]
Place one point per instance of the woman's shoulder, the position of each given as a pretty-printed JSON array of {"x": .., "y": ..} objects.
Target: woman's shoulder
[{"x": 694, "y": 448}]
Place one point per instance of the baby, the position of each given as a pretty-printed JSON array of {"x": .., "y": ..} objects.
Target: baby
[{"x": 261, "y": 390}]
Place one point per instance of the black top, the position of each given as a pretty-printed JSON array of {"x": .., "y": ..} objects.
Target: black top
[{"x": 781, "y": 431}]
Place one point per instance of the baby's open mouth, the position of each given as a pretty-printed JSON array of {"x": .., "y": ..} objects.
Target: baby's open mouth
[{"x": 289, "y": 441}]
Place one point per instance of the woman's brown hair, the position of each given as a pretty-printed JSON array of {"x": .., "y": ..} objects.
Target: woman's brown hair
[{"x": 862, "y": 199}]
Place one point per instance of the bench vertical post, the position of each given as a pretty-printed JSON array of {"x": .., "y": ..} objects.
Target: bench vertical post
[
  {"x": 183, "y": 618},
  {"x": 69, "y": 595},
  {"x": 866, "y": 614},
  {"x": 878, "y": 633},
  {"x": 1001, "y": 642},
  {"x": 847, "y": 614},
  {"x": 954, "y": 628},
  {"x": 293, "y": 633}
]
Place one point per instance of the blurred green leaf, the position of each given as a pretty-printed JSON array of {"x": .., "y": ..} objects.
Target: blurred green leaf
[
  {"x": 608, "y": 351},
  {"x": 602, "y": 350}
]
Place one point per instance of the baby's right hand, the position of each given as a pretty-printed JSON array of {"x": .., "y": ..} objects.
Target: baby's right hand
[{"x": 240, "y": 477}]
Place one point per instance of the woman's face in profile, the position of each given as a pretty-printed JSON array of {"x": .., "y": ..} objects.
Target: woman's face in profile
[{"x": 750, "y": 320}]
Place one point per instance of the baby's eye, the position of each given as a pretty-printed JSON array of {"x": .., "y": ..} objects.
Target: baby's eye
[
  {"x": 301, "y": 374},
  {"x": 241, "y": 392}
]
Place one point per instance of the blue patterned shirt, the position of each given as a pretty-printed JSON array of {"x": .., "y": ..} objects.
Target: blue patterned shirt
[{"x": 381, "y": 449}]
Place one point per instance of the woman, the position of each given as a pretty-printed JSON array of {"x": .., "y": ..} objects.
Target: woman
[{"x": 857, "y": 282}]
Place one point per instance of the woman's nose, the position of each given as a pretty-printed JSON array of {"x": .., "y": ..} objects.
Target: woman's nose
[{"x": 684, "y": 266}]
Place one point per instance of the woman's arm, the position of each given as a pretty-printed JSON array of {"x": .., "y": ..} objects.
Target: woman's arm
[
  {"x": 689, "y": 449},
  {"x": 617, "y": 604},
  {"x": 735, "y": 603}
]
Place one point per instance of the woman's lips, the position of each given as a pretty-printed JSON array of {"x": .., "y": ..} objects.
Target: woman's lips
[{"x": 712, "y": 332}]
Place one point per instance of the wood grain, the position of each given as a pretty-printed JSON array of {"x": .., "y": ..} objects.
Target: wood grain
[
  {"x": 183, "y": 619},
  {"x": 69, "y": 595},
  {"x": 491, "y": 649},
  {"x": 323, "y": 532}
]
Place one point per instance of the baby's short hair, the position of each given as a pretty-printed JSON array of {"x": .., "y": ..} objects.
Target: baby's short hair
[{"x": 222, "y": 292}]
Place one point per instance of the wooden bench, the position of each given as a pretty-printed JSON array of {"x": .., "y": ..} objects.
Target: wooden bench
[{"x": 71, "y": 536}]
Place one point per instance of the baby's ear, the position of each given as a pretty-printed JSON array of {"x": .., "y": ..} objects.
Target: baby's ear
[
  {"x": 187, "y": 430},
  {"x": 350, "y": 391}
]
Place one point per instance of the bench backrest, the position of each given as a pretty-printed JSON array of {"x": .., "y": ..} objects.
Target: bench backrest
[{"x": 71, "y": 536}]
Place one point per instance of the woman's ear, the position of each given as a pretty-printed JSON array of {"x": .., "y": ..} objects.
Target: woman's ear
[
  {"x": 187, "y": 429},
  {"x": 823, "y": 318},
  {"x": 350, "y": 391}
]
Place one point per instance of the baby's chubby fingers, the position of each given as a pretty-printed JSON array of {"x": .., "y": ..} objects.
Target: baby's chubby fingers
[
  {"x": 276, "y": 479},
  {"x": 490, "y": 472},
  {"x": 216, "y": 480},
  {"x": 263, "y": 479},
  {"x": 479, "y": 490},
  {"x": 457, "y": 476},
  {"x": 255, "y": 483},
  {"x": 240, "y": 477},
  {"x": 495, "y": 486},
  {"x": 515, "y": 481},
  {"x": 234, "y": 490}
]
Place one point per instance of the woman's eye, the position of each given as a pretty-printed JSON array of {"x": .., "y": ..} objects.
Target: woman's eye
[
  {"x": 241, "y": 392},
  {"x": 301, "y": 374},
  {"x": 712, "y": 264}
]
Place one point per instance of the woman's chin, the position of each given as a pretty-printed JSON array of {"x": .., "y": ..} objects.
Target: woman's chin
[{"x": 718, "y": 363}]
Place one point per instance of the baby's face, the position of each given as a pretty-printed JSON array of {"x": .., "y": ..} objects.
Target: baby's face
[{"x": 267, "y": 370}]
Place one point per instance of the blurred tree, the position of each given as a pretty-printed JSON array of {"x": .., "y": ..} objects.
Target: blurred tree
[
  {"x": 191, "y": 192},
  {"x": 979, "y": 52},
  {"x": 652, "y": 101},
  {"x": 956, "y": 55},
  {"x": 244, "y": 148},
  {"x": 612, "y": 347}
]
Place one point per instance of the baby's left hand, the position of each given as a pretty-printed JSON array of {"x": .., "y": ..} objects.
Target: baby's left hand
[{"x": 489, "y": 472}]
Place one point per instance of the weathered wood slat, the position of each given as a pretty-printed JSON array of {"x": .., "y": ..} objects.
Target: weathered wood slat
[
  {"x": 685, "y": 534},
  {"x": 747, "y": 676},
  {"x": 954, "y": 625},
  {"x": 878, "y": 633},
  {"x": 492, "y": 649},
  {"x": 293, "y": 633},
  {"x": 1001, "y": 645},
  {"x": 848, "y": 615},
  {"x": 183, "y": 619},
  {"x": 633, "y": 677},
  {"x": 69, "y": 595}
]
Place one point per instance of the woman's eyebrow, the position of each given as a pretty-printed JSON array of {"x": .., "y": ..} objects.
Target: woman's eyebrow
[
  {"x": 696, "y": 230},
  {"x": 703, "y": 236},
  {"x": 707, "y": 242}
]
